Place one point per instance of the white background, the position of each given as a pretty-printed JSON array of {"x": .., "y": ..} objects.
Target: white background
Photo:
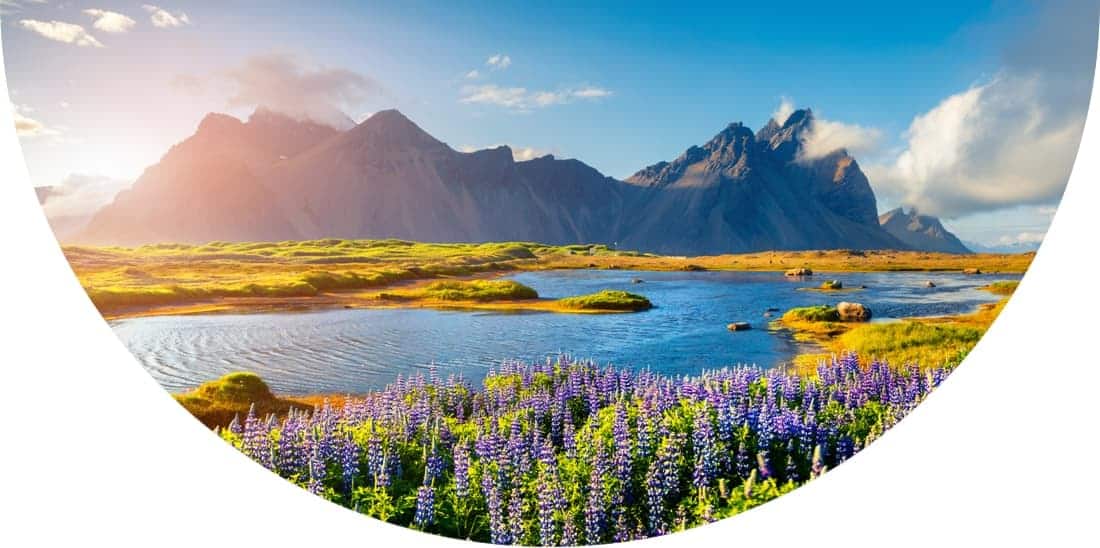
[{"x": 93, "y": 451}]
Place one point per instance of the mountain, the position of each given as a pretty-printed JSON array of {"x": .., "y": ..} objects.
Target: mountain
[
  {"x": 922, "y": 232},
  {"x": 209, "y": 187},
  {"x": 275, "y": 178},
  {"x": 744, "y": 192}
]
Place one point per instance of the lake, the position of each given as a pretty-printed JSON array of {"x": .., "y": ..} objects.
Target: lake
[{"x": 354, "y": 350}]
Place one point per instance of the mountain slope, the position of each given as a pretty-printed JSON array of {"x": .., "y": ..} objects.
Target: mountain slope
[
  {"x": 207, "y": 187},
  {"x": 922, "y": 232},
  {"x": 274, "y": 178},
  {"x": 744, "y": 192}
]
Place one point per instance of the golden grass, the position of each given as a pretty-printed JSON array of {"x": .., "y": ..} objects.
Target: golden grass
[
  {"x": 165, "y": 278},
  {"x": 217, "y": 402},
  {"x": 928, "y": 342}
]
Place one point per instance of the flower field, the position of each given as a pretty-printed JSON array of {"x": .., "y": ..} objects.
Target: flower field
[{"x": 567, "y": 452}]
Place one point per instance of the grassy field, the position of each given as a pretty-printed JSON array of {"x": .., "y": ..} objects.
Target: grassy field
[
  {"x": 181, "y": 278},
  {"x": 930, "y": 342},
  {"x": 502, "y": 295}
]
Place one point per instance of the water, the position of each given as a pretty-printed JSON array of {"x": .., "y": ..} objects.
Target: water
[{"x": 351, "y": 351}]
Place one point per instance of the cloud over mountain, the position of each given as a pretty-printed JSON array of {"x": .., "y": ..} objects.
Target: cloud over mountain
[
  {"x": 315, "y": 93},
  {"x": 1010, "y": 140}
]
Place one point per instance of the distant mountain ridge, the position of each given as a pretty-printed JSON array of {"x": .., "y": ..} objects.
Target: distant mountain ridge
[
  {"x": 275, "y": 178},
  {"x": 922, "y": 232}
]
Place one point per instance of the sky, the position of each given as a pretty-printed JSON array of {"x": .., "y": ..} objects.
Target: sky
[{"x": 971, "y": 111}]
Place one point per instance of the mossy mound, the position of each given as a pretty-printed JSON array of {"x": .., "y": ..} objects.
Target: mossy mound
[
  {"x": 466, "y": 290},
  {"x": 832, "y": 285},
  {"x": 607, "y": 300},
  {"x": 216, "y": 403},
  {"x": 822, "y": 313}
]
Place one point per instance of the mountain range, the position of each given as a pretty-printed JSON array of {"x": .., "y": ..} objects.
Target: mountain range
[
  {"x": 272, "y": 177},
  {"x": 922, "y": 232}
]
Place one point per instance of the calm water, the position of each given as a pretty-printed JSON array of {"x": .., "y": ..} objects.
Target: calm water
[{"x": 356, "y": 350}]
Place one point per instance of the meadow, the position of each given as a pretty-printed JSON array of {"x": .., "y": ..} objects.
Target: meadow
[
  {"x": 568, "y": 452},
  {"x": 932, "y": 342},
  {"x": 218, "y": 276}
]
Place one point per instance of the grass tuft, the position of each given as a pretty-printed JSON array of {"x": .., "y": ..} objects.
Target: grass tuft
[{"x": 607, "y": 300}]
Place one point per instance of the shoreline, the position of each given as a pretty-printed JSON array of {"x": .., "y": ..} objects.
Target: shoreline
[{"x": 366, "y": 299}]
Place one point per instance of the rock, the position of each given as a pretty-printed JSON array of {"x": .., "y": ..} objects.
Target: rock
[
  {"x": 800, "y": 272},
  {"x": 772, "y": 309},
  {"x": 853, "y": 312},
  {"x": 972, "y": 271},
  {"x": 863, "y": 287},
  {"x": 692, "y": 268},
  {"x": 929, "y": 283},
  {"x": 832, "y": 284},
  {"x": 637, "y": 281},
  {"x": 592, "y": 265},
  {"x": 739, "y": 326}
]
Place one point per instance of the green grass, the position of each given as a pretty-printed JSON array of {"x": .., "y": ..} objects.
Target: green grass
[
  {"x": 1006, "y": 287},
  {"x": 466, "y": 290},
  {"x": 215, "y": 403},
  {"x": 927, "y": 344},
  {"x": 822, "y": 313},
  {"x": 132, "y": 280},
  {"x": 607, "y": 300}
]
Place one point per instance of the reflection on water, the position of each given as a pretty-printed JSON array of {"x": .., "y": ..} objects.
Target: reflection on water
[{"x": 357, "y": 350}]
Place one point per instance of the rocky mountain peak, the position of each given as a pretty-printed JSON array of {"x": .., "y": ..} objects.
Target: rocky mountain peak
[
  {"x": 786, "y": 140},
  {"x": 394, "y": 128},
  {"x": 921, "y": 231}
]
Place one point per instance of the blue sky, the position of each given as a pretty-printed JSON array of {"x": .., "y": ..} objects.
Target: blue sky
[{"x": 618, "y": 86}]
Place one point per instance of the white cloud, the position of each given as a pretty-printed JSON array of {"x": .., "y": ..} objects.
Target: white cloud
[
  {"x": 827, "y": 136},
  {"x": 26, "y": 126},
  {"x": 60, "y": 31},
  {"x": 163, "y": 18},
  {"x": 499, "y": 62},
  {"x": 1010, "y": 140},
  {"x": 79, "y": 195},
  {"x": 12, "y": 6},
  {"x": 473, "y": 75},
  {"x": 281, "y": 83},
  {"x": 993, "y": 146},
  {"x": 1022, "y": 238},
  {"x": 110, "y": 21},
  {"x": 784, "y": 111},
  {"x": 519, "y": 154},
  {"x": 521, "y": 99}
]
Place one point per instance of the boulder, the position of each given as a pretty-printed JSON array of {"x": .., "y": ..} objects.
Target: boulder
[
  {"x": 637, "y": 281},
  {"x": 972, "y": 271},
  {"x": 832, "y": 284},
  {"x": 929, "y": 283},
  {"x": 853, "y": 312},
  {"x": 739, "y": 326},
  {"x": 800, "y": 272}
]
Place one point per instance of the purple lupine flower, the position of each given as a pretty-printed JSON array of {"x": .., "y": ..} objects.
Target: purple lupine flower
[
  {"x": 515, "y": 516},
  {"x": 595, "y": 510},
  {"x": 462, "y": 469},
  {"x": 569, "y": 441},
  {"x": 375, "y": 458},
  {"x": 425, "y": 506},
  {"x": 703, "y": 447},
  {"x": 433, "y": 466},
  {"x": 349, "y": 461},
  {"x": 317, "y": 470}
]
